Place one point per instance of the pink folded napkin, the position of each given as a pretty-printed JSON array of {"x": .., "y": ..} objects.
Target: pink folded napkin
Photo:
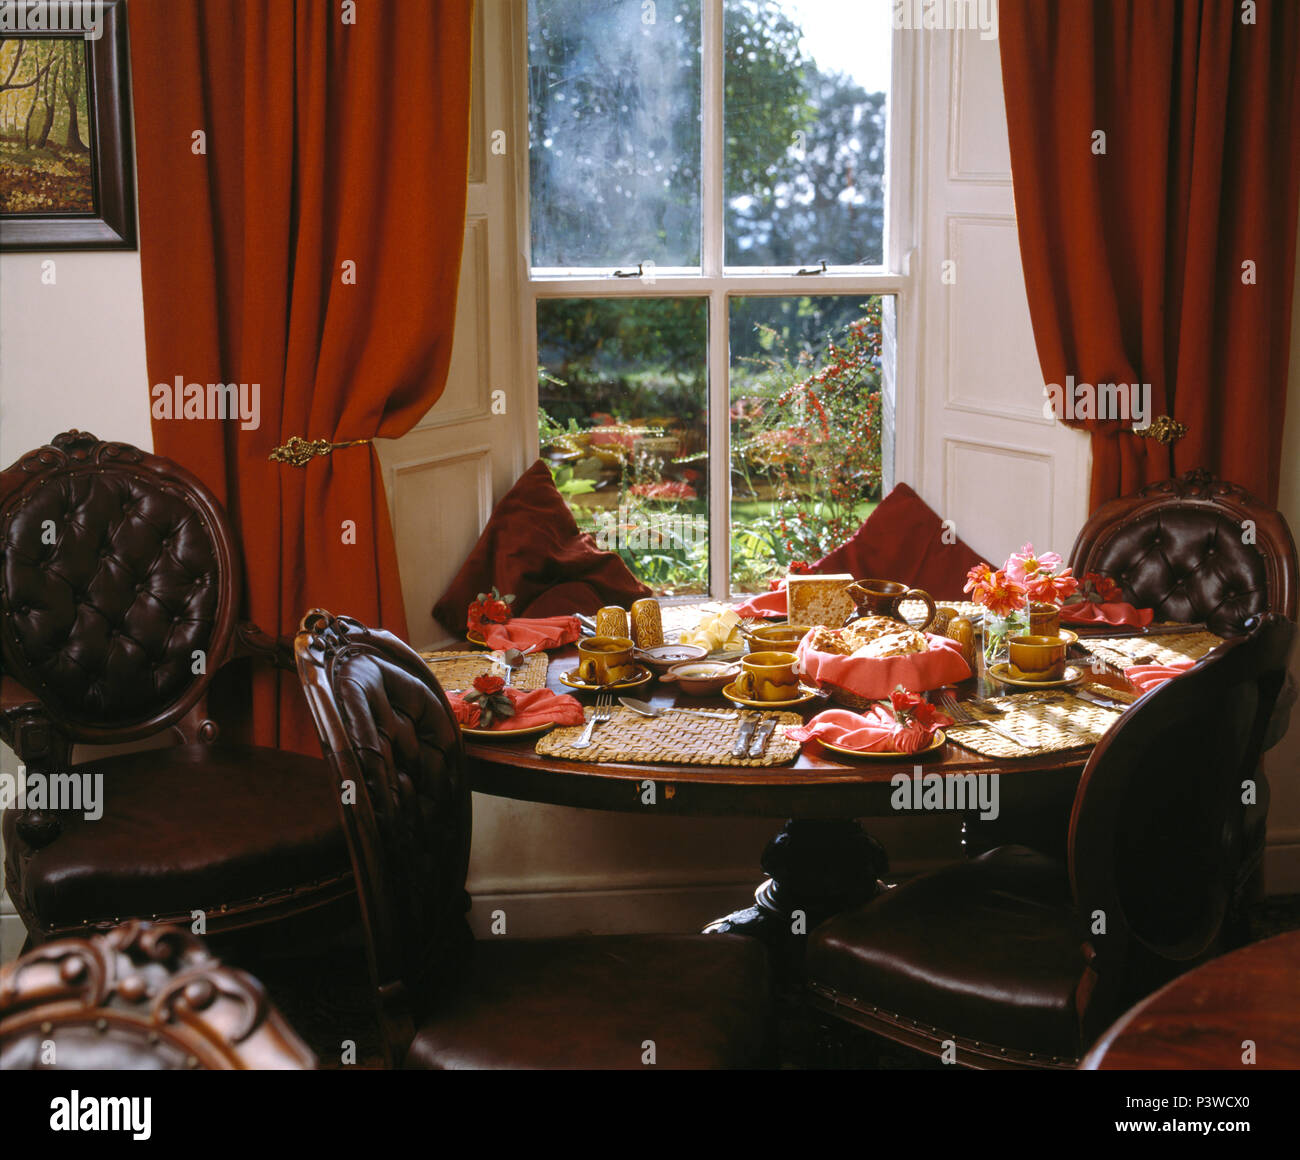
[
  {"x": 1144, "y": 678},
  {"x": 767, "y": 604},
  {"x": 875, "y": 678},
  {"x": 1118, "y": 614},
  {"x": 538, "y": 707},
  {"x": 540, "y": 632},
  {"x": 874, "y": 731}
]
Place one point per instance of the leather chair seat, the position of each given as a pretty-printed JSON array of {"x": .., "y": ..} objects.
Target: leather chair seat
[
  {"x": 988, "y": 949},
  {"x": 222, "y": 825},
  {"x": 592, "y": 1002}
]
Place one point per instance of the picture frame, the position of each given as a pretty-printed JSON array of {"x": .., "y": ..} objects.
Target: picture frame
[{"x": 99, "y": 211}]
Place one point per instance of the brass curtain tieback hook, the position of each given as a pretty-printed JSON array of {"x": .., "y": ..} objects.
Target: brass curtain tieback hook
[
  {"x": 1163, "y": 429},
  {"x": 298, "y": 452}
]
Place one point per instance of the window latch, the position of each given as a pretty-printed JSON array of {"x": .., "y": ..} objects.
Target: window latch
[
  {"x": 637, "y": 273},
  {"x": 805, "y": 271}
]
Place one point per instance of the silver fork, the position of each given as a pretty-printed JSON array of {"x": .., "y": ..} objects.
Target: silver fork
[
  {"x": 604, "y": 711},
  {"x": 963, "y": 716}
]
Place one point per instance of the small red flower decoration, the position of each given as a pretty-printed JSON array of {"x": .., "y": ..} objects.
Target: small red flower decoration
[
  {"x": 489, "y": 608},
  {"x": 489, "y": 683},
  {"x": 1098, "y": 589}
]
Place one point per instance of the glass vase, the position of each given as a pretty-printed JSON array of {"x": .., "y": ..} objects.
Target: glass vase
[{"x": 998, "y": 630}]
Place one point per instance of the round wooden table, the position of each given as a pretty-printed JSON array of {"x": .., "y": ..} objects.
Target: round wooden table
[
  {"x": 1237, "y": 1012},
  {"x": 822, "y": 861}
]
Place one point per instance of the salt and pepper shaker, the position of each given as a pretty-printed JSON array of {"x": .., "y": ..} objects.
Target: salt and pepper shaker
[
  {"x": 611, "y": 621},
  {"x": 647, "y": 624}
]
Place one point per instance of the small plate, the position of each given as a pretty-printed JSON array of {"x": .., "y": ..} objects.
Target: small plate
[
  {"x": 885, "y": 754},
  {"x": 1002, "y": 672},
  {"x": 508, "y": 732},
  {"x": 643, "y": 676},
  {"x": 475, "y": 638},
  {"x": 730, "y": 693}
]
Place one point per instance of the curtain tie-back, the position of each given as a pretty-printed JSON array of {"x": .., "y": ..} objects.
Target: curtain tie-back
[
  {"x": 298, "y": 452},
  {"x": 1163, "y": 429}
]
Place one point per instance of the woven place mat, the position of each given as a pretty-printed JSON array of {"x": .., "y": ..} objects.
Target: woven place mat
[
  {"x": 1124, "y": 652},
  {"x": 677, "y": 738},
  {"x": 1052, "y": 721},
  {"x": 460, "y": 674}
]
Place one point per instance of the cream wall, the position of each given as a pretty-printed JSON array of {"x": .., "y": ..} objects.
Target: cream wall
[
  {"x": 71, "y": 353},
  {"x": 1282, "y": 869}
]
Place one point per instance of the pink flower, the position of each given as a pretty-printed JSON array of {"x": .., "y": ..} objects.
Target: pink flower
[{"x": 1025, "y": 564}]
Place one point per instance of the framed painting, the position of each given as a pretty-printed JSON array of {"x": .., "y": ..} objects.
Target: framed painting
[{"x": 66, "y": 165}]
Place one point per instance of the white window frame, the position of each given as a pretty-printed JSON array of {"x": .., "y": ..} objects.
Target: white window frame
[{"x": 717, "y": 282}]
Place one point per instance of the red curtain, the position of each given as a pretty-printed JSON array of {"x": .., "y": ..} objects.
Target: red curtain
[
  {"x": 302, "y": 187},
  {"x": 1134, "y": 258}
]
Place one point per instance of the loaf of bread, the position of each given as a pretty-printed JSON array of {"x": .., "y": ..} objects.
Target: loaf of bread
[
  {"x": 871, "y": 636},
  {"x": 819, "y": 599}
]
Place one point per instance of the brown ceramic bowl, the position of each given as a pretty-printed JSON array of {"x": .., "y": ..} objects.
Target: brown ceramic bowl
[
  {"x": 701, "y": 678},
  {"x": 775, "y": 637},
  {"x": 662, "y": 657}
]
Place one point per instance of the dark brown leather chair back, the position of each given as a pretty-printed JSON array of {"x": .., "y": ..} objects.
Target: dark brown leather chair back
[
  {"x": 389, "y": 734},
  {"x": 118, "y": 586},
  {"x": 142, "y": 997},
  {"x": 1156, "y": 836},
  {"x": 1195, "y": 549}
]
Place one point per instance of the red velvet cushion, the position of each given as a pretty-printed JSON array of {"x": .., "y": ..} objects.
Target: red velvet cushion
[
  {"x": 532, "y": 547},
  {"x": 902, "y": 540}
]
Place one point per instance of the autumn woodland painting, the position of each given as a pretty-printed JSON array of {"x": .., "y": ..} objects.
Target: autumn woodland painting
[{"x": 45, "y": 126}]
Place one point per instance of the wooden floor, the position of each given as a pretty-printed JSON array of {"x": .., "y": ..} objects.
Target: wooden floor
[{"x": 327, "y": 999}]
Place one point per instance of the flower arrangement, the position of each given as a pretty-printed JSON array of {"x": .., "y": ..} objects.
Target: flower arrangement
[
  {"x": 489, "y": 608},
  {"x": 916, "y": 720},
  {"x": 487, "y": 703},
  {"x": 1028, "y": 577}
]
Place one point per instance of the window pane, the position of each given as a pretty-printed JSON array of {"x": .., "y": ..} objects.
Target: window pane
[
  {"x": 805, "y": 429},
  {"x": 623, "y": 390},
  {"x": 614, "y": 132},
  {"x": 806, "y": 88}
]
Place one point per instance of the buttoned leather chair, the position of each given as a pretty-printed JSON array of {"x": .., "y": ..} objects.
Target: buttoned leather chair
[
  {"x": 446, "y": 1001},
  {"x": 1018, "y": 959},
  {"x": 143, "y": 997},
  {"x": 1195, "y": 549},
  {"x": 1201, "y": 550},
  {"x": 119, "y": 583}
]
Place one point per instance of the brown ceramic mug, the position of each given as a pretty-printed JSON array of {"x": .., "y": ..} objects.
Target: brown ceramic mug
[
  {"x": 606, "y": 660},
  {"x": 882, "y": 598},
  {"x": 1037, "y": 658},
  {"x": 769, "y": 676}
]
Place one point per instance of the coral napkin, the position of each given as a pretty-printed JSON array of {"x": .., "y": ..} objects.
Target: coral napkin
[
  {"x": 769, "y": 604},
  {"x": 539, "y": 632},
  {"x": 1144, "y": 678},
  {"x": 876, "y": 678},
  {"x": 538, "y": 707},
  {"x": 1118, "y": 614},
  {"x": 866, "y": 732}
]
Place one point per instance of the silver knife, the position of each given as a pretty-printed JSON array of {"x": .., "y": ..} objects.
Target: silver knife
[
  {"x": 761, "y": 734},
  {"x": 742, "y": 738},
  {"x": 1105, "y": 702}
]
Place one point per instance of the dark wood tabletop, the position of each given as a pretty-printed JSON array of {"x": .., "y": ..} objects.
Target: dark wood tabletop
[
  {"x": 1203, "y": 1019},
  {"x": 817, "y": 784}
]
